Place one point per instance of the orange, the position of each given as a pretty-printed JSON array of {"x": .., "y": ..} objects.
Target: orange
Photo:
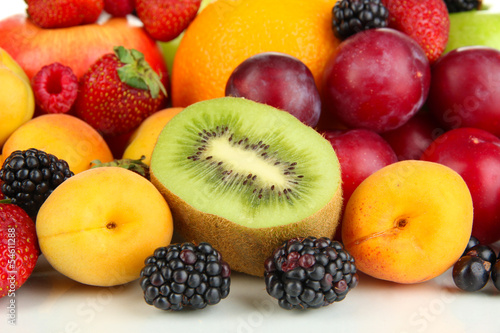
[{"x": 227, "y": 32}]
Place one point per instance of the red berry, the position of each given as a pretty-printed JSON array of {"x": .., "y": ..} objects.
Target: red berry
[
  {"x": 63, "y": 13},
  {"x": 426, "y": 21},
  {"x": 118, "y": 92},
  {"x": 119, "y": 8},
  {"x": 164, "y": 20},
  {"x": 55, "y": 88},
  {"x": 18, "y": 248}
]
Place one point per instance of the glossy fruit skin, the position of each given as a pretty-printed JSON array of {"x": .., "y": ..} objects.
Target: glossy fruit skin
[
  {"x": 378, "y": 80},
  {"x": 215, "y": 43},
  {"x": 465, "y": 89},
  {"x": 475, "y": 155},
  {"x": 411, "y": 139},
  {"x": 426, "y": 21},
  {"x": 470, "y": 273},
  {"x": 360, "y": 152},
  {"x": 484, "y": 252},
  {"x": 495, "y": 274},
  {"x": 33, "y": 47},
  {"x": 279, "y": 80}
]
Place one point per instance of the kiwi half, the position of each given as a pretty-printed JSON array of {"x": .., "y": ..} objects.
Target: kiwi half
[{"x": 244, "y": 177}]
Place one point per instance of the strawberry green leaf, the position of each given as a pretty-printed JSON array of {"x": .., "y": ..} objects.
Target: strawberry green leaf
[{"x": 137, "y": 73}]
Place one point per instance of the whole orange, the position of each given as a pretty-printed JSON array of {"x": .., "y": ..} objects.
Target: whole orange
[{"x": 227, "y": 32}]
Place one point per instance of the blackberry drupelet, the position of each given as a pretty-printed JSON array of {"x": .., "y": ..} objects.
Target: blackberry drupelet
[
  {"x": 309, "y": 273},
  {"x": 455, "y": 6},
  {"x": 30, "y": 176},
  {"x": 353, "y": 16},
  {"x": 185, "y": 275}
]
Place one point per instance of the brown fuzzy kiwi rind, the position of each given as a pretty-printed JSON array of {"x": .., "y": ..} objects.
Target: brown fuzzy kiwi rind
[{"x": 245, "y": 249}]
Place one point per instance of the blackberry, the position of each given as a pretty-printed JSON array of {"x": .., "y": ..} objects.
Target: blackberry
[
  {"x": 185, "y": 275},
  {"x": 30, "y": 176},
  {"x": 455, "y": 6},
  {"x": 352, "y": 16},
  {"x": 309, "y": 273}
]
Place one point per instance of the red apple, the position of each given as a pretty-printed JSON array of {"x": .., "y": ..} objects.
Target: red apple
[
  {"x": 77, "y": 47},
  {"x": 475, "y": 155}
]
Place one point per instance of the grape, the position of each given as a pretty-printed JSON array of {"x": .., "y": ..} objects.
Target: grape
[
  {"x": 279, "y": 80},
  {"x": 484, "y": 252},
  {"x": 495, "y": 274}
]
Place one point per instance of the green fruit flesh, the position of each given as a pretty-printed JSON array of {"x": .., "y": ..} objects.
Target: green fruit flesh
[{"x": 246, "y": 162}]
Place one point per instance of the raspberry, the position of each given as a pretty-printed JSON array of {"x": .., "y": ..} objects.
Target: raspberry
[{"x": 55, "y": 88}]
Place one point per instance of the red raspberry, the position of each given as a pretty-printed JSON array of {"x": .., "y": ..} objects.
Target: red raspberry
[
  {"x": 119, "y": 8},
  {"x": 55, "y": 88},
  {"x": 19, "y": 249}
]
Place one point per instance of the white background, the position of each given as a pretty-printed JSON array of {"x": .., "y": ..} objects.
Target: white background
[{"x": 50, "y": 302}]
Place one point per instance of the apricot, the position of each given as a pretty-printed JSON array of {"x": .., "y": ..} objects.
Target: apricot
[
  {"x": 100, "y": 225},
  {"x": 408, "y": 222},
  {"x": 17, "y": 103},
  {"x": 143, "y": 139},
  {"x": 65, "y": 136}
]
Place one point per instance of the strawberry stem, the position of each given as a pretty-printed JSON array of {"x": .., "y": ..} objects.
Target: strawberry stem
[{"x": 137, "y": 72}]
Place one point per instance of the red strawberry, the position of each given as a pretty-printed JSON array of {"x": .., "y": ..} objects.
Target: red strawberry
[
  {"x": 18, "y": 248},
  {"x": 166, "y": 19},
  {"x": 91, "y": 10},
  {"x": 426, "y": 21},
  {"x": 118, "y": 92},
  {"x": 64, "y": 13},
  {"x": 119, "y": 8},
  {"x": 55, "y": 88}
]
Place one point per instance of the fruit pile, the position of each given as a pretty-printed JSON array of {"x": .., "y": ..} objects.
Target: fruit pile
[{"x": 299, "y": 153}]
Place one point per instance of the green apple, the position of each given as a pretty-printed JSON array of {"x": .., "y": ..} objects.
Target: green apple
[
  {"x": 477, "y": 27},
  {"x": 169, "y": 48}
]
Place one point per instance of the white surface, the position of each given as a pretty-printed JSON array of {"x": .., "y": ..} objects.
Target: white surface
[{"x": 50, "y": 302}]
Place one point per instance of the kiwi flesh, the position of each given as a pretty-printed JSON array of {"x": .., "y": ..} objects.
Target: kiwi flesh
[{"x": 244, "y": 177}]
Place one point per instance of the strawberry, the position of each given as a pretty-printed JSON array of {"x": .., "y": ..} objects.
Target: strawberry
[
  {"x": 19, "y": 249},
  {"x": 119, "y": 8},
  {"x": 166, "y": 19},
  {"x": 55, "y": 88},
  {"x": 64, "y": 13},
  {"x": 426, "y": 21},
  {"x": 118, "y": 92}
]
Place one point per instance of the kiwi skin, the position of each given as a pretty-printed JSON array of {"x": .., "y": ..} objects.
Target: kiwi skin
[{"x": 245, "y": 249}]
